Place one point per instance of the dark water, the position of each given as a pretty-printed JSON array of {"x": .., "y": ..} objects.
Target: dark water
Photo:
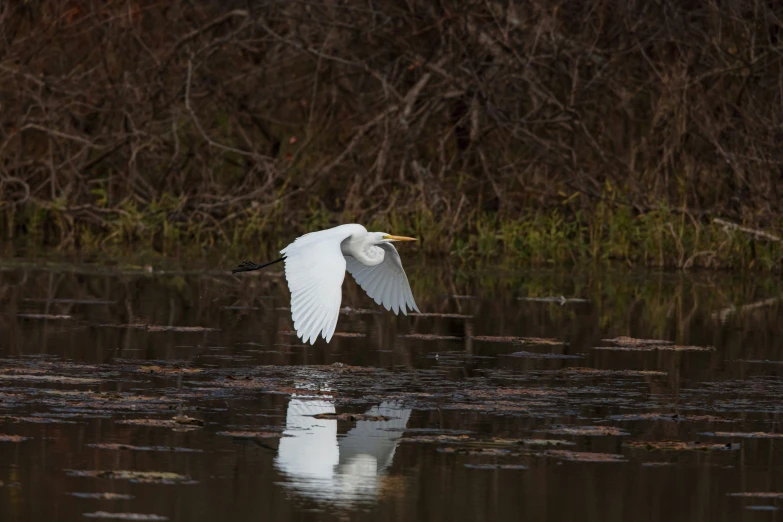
[{"x": 500, "y": 409}]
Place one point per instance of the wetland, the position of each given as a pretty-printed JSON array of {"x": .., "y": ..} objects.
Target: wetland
[{"x": 146, "y": 393}]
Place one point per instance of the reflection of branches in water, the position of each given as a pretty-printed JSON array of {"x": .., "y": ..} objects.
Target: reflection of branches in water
[
  {"x": 659, "y": 306},
  {"x": 722, "y": 315}
]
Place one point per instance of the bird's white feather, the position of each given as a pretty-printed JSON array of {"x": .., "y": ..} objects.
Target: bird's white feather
[
  {"x": 315, "y": 270},
  {"x": 315, "y": 265},
  {"x": 386, "y": 282}
]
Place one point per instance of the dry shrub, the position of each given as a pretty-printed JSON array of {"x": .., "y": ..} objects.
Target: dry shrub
[{"x": 218, "y": 110}]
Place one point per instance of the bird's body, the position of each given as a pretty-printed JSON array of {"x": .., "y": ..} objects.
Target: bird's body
[{"x": 315, "y": 266}]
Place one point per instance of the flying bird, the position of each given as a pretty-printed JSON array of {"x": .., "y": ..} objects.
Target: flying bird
[{"x": 315, "y": 266}]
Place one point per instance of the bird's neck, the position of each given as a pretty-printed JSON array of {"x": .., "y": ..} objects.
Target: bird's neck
[{"x": 366, "y": 253}]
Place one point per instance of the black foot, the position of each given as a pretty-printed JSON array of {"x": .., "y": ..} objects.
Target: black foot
[{"x": 246, "y": 266}]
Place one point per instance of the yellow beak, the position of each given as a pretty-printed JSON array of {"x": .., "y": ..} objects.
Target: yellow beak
[{"x": 399, "y": 238}]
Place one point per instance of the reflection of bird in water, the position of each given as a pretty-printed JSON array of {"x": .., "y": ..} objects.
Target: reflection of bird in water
[{"x": 320, "y": 465}]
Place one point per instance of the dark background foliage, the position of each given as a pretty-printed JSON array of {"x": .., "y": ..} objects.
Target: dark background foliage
[{"x": 220, "y": 112}]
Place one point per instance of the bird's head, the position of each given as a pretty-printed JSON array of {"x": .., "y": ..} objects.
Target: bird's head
[{"x": 383, "y": 237}]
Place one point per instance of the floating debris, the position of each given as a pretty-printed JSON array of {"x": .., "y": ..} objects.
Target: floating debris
[
  {"x": 103, "y": 496},
  {"x": 340, "y": 367},
  {"x": 587, "y": 430},
  {"x": 153, "y": 328},
  {"x": 470, "y": 445},
  {"x": 335, "y": 334},
  {"x": 543, "y": 341},
  {"x": 159, "y": 328},
  {"x": 129, "y": 447},
  {"x": 148, "y": 477},
  {"x": 229, "y": 357},
  {"x": 762, "y": 508},
  {"x": 484, "y": 452},
  {"x": 612, "y": 373},
  {"x": 187, "y": 421},
  {"x": 455, "y": 355},
  {"x": 12, "y": 438},
  {"x": 125, "y": 516},
  {"x": 164, "y": 423},
  {"x": 438, "y": 439},
  {"x": 133, "y": 476},
  {"x": 651, "y": 348},
  {"x": 583, "y": 456},
  {"x": 490, "y": 393},
  {"x": 349, "y": 335},
  {"x": 75, "y": 413},
  {"x": 245, "y": 382},
  {"x": 494, "y": 406},
  {"x": 679, "y": 348},
  {"x": 630, "y": 341},
  {"x": 55, "y": 317},
  {"x": 630, "y": 344},
  {"x": 441, "y": 431},
  {"x": 431, "y": 337},
  {"x": 36, "y": 420},
  {"x": 678, "y": 445},
  {"x": 758, "y": 494},
  {"x": 92, "y": 402},
  {"x": 70, "y": 301},
  {"x": 496, "y": 466},
  {"x": 669, "y": 417},
  {"x": 351, "y": 417},
  {"x": 497, "y": 339},
  {"x": 26, "y": 371},
  {"x": 535, "y": 355},
  {"x": 546, "y": 442},
  {"x": 138, "y": 326},
  {"x": 252, "y": 434},
  {"x": 168, "y": 370},
  {"x": 37, "y": 377},
  {"x": 744, "y": 434},
  {"x": 561, "y": 300}
]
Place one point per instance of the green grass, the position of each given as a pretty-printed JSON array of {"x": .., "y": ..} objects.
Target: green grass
[{"x": 547, "y": 237}]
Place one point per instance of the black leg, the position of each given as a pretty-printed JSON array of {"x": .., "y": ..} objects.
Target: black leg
[{"x": 249, "y": 266}]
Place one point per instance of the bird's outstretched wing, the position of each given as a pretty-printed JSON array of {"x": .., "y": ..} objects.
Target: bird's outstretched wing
[
  {"x": 315, "y": 270},
  {"x": 386, "y": 283}
]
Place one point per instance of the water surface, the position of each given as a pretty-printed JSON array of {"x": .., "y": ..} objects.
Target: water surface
[{"x": 184, "y": 395}]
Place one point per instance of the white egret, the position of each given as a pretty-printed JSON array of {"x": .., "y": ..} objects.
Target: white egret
[{"x": 315, "y": 265}]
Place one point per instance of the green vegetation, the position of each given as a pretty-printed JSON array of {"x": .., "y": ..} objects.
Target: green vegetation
[{"x": 559, "y": 236}]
